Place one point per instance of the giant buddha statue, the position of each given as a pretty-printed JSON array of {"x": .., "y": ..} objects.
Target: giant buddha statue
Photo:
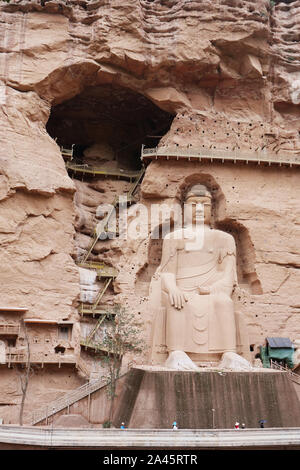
[{"x": 192, "y": 288}]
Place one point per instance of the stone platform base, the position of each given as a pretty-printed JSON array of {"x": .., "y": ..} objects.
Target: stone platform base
[{"x": 154, "y": 399}]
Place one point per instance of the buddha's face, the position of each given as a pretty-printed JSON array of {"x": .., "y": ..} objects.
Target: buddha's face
[{"x": 198, "y": 210}]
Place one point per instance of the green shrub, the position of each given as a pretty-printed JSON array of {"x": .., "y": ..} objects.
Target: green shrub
[{"x": 107, "y": 424}]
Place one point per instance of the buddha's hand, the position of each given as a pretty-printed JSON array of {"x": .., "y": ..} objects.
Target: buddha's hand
[
  {"x": 177, "y": 298},
  {"x": 204, "y": 290}
]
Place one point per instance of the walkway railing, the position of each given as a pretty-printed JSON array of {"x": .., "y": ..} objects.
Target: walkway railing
[
  {"x": 294, "y": 377},
  {"x": 69, "y": 398},
  {"x": 9, "y": 329},
  {"x": 198, "y": 154},
  {"x": 39, "y": 358},
  {"x": 102, "y": 171},
  {"x": 67, "y": 153},
  {"x": 103, "y": 270},
  {"x": 87, "y": 309},
  {"x": 95, "y": 346}
]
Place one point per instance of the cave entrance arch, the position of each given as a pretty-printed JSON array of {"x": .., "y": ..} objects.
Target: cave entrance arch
[{"x": 108, "y": 124}]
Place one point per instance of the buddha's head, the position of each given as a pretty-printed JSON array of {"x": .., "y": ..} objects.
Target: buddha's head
[{"x": 199, "y": 197}]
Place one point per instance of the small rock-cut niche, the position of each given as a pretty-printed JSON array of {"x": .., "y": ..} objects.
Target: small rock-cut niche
[
  {"x": 59, "y": 349},
  {"x": 110, "y": 119}
]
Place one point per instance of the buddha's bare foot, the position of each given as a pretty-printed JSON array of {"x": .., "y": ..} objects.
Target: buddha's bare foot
[
  {"x": 179, "y": 360},
  {"x": 233, "y": 361}
]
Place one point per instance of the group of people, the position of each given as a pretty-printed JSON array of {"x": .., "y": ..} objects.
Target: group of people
[
  {"x": 236, "y": 426},
  {"x": 261, "y": 423}
]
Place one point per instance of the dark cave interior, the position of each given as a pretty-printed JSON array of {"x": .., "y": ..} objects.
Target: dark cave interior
[{"x": 108, "y": 123}]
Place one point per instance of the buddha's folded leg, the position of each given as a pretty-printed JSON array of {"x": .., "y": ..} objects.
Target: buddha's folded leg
[
  {"x": 176, "y": 322},
  {"x": 222, "y": 328},
  {"x": 206, "y": 323},
  {"x": 187, "y": 328}
]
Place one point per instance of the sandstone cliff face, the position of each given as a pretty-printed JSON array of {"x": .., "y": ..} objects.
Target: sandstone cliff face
[{"x": 227, "y": 72}]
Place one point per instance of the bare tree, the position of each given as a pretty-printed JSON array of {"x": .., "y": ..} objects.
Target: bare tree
[
  {"x": 121, "y": 336},
  {"x": 24, "y": 377}
]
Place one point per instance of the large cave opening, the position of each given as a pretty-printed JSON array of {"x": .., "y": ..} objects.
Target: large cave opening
[{"x": 107, "y": 124}]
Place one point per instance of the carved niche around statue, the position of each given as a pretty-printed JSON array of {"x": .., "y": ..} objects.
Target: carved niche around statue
[{"x": 191, "y": 290}]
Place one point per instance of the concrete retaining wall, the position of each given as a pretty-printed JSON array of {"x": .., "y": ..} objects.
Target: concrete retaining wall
[{"x": 152, "y": 399}]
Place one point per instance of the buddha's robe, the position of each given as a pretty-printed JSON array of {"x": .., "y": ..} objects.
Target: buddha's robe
[{"x": 206, "y": 323}]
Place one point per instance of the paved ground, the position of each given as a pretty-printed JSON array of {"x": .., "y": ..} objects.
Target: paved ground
[{"x": 75, "y": 438}]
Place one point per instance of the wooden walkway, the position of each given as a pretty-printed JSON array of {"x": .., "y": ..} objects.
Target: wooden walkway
[
  {"x": 7, "y": 329},
  {"x": 221, "y": 156},
  {"x": 103, "y": 270},
  {"x": 102, "y": 171},
  {"x": 39, "y": 358},
  {"x": 87, "y": 309}
]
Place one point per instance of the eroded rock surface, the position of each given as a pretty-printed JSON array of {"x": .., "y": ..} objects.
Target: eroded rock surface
[{"x": 228, "y": 74}]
